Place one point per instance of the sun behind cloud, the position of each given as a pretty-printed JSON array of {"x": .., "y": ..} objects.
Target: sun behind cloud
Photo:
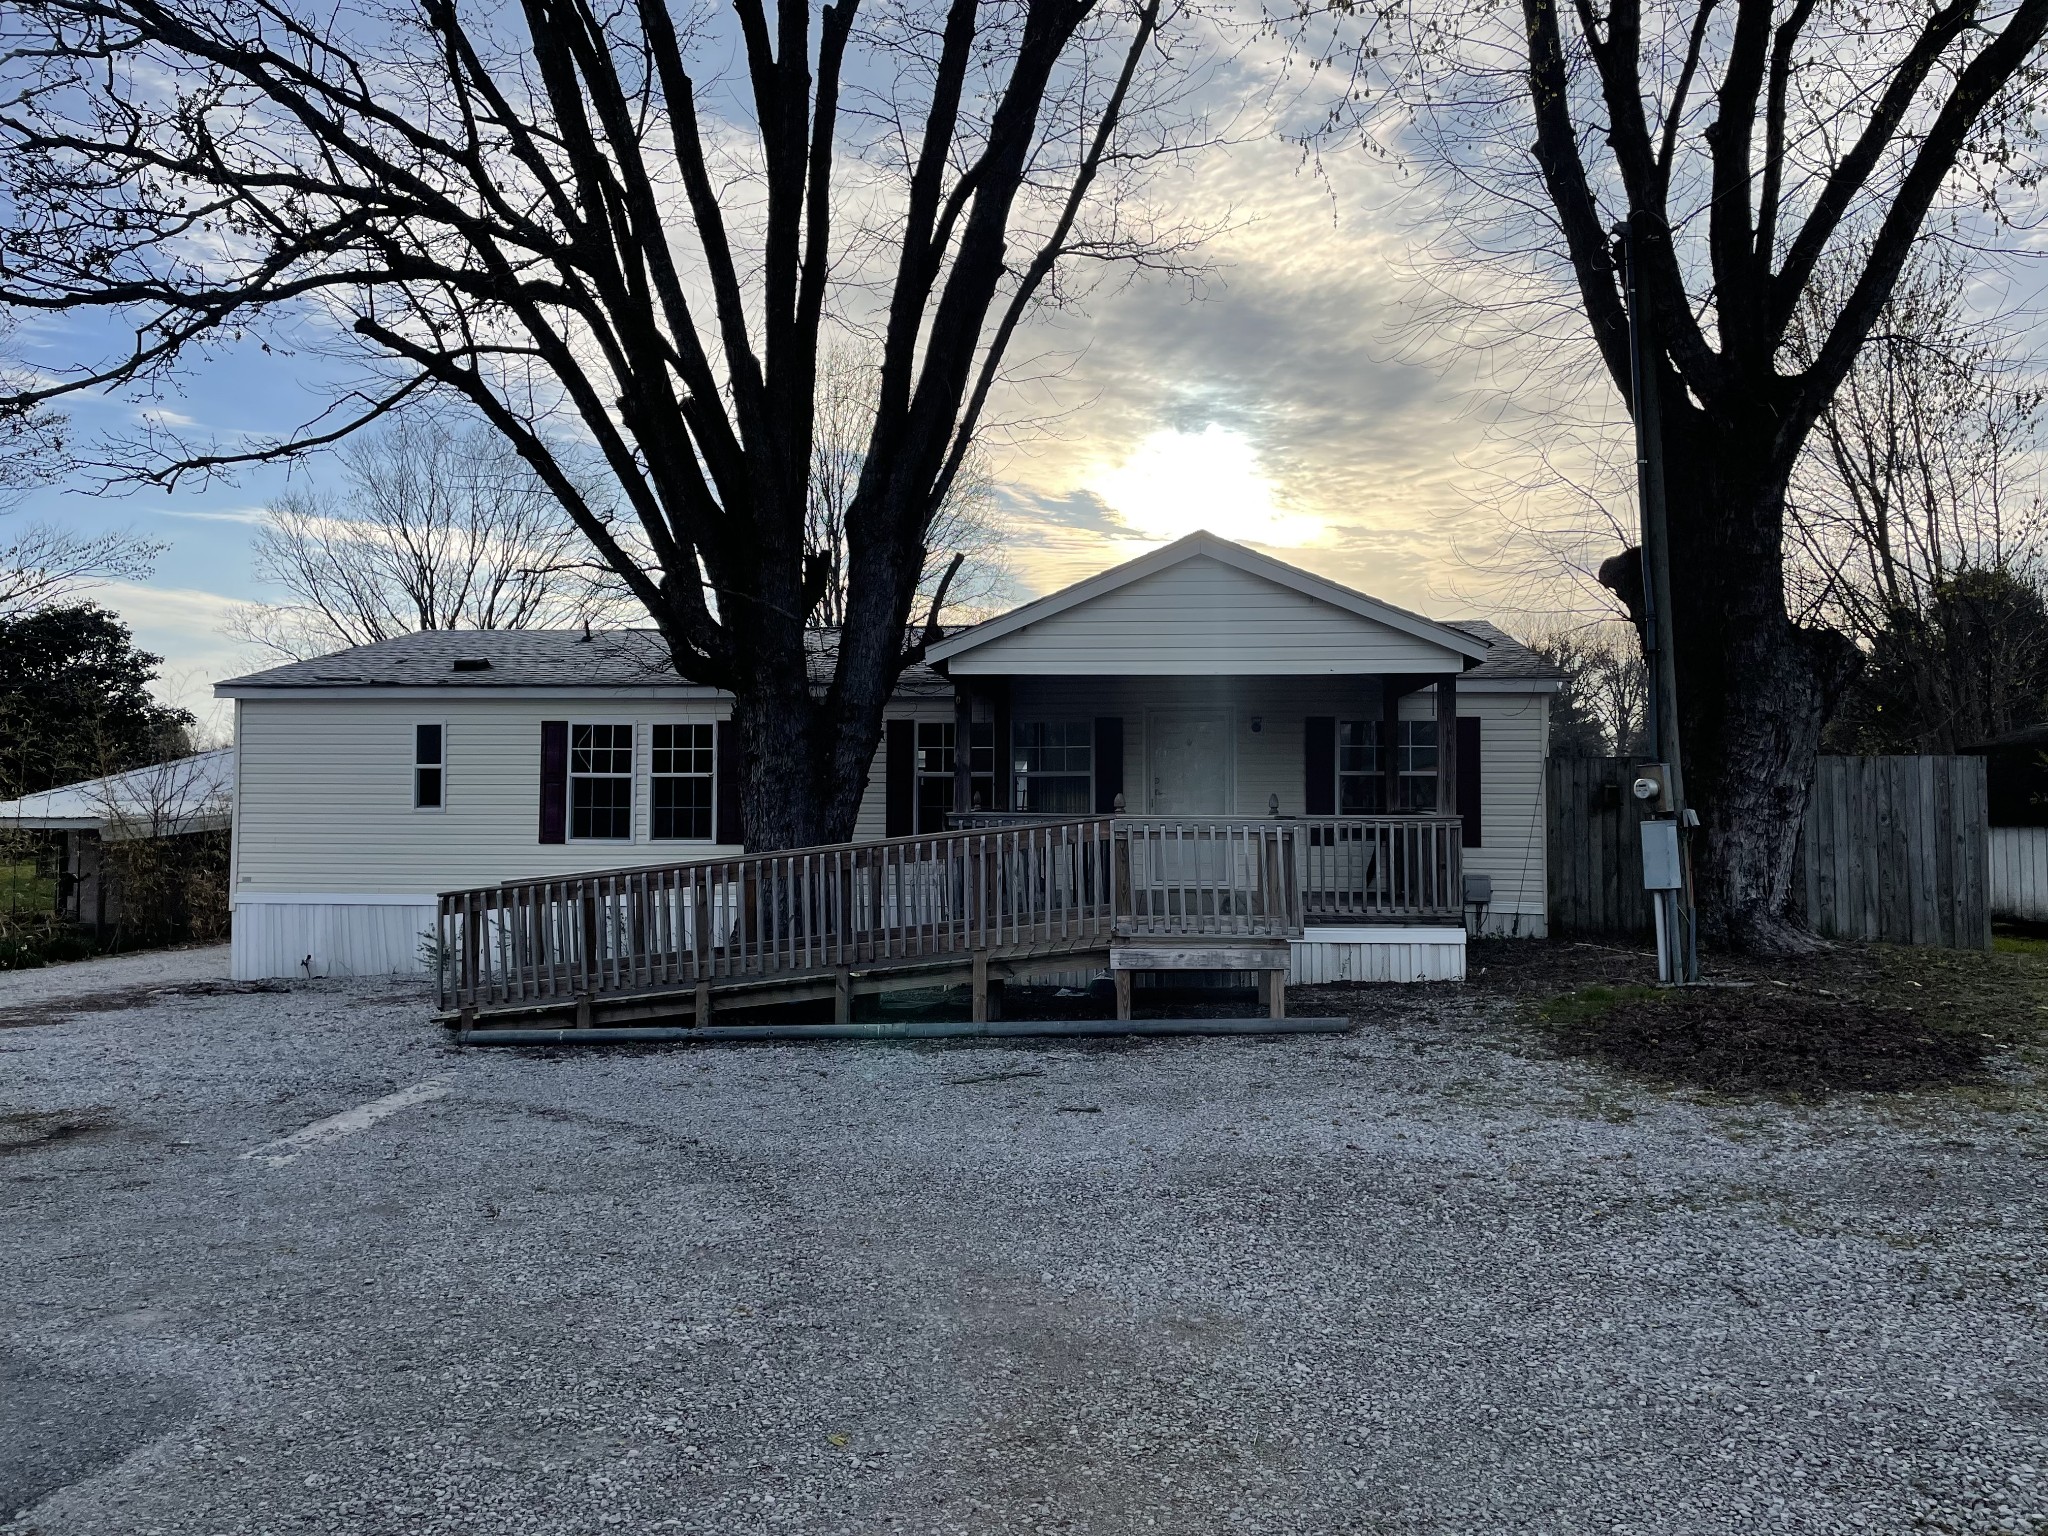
[{"x": 1176, "y": 482}]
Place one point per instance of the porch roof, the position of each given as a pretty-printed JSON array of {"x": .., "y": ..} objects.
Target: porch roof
[
  {"x": 188, "y": 794},
  {"x": 1203, "y": 607}
]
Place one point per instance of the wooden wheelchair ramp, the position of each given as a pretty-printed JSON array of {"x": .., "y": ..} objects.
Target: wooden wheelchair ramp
[{"x": 627, "y": 945}]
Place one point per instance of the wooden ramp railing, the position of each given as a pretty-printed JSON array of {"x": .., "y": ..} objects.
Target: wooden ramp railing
[{"x": 908, "y": 904}]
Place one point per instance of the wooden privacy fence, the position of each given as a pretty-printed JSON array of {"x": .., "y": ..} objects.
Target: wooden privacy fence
[
  {"x": 1595, "y": 853},
  {"x": 1898, "y": 849},
  {"x": 1018, "y": 891},
  {"x": 1893, "y": 849}
]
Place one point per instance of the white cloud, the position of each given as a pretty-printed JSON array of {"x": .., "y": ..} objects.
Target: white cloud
[
  {"x": 250, "y": 516},
  {"x": 184, "y": 626}
]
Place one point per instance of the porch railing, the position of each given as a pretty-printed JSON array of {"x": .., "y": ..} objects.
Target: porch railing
[
  {"x": 1043, "y": 887},
  {"x": 1350, "y": 869},
  {"x": 1361, "y": 869}
]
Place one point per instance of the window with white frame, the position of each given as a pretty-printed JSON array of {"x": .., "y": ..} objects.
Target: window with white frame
[
  {"x": 683, "y": 782},
  {"x": 428, "y": 769},
  {"x": 601, "y": 783},
  {"x": 935, "y": 770},
  {"x": 1361, "y": 785},
  {"x": 1052, "y": 766}
]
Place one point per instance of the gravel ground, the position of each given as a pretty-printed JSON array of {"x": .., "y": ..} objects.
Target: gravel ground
[{"x": 1418, "y": 1278}]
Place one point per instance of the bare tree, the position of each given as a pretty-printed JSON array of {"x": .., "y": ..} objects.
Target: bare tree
[
  {"x": 41, "y": 563},
  {"x": 434, "y": 527},
  {"x": 1919, "y": 522},
  {"x": 966, "y": 570},
  {"x": 552, "y": 213},
  {"x": 1925, "y": 464},
  {"x": 1748, "y": 143},
  {"x": 1601, "y": 708}
]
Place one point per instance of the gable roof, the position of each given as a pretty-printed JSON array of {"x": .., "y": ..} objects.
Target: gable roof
[{"x": 1203, "y": 544}]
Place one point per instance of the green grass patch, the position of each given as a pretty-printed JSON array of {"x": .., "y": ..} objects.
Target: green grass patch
[
  {"x": 1588, "y": 1003},
  {"x": 2019, "y": 944},
  {"x": 23, "y": 891}
]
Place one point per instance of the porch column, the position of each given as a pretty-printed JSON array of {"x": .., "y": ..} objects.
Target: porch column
[
  {"x": 1391, "y": 689},
  {"x": 963, "y": 746},
  {"x": 1447, "y": 744},
  {"x": 997, "y": 691}
]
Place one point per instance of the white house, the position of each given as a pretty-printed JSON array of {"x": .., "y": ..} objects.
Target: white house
[
  {"x": 1202, "y": 680},
  {"x": 169, "y": 799}
]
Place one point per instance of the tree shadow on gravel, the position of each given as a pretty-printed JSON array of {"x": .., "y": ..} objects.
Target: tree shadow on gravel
[{"x": 1766, "y": 1040}]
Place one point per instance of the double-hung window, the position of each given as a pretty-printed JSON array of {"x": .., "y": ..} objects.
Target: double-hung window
[
  {"x": 684, "y": 775},
  {"x": 1360, "y": 791},
  {"x": 1415, "y": 757},
  {"x": 1052, "y": 766},
  {"x": 935, "y": 740},
  {"x": 427, "y": 768},
  {"x": 601, "y": 783},
  {"x": 1361, "y": 770}
]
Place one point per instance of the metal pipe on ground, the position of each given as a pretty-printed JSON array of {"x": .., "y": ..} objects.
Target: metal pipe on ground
[{"x": 1004, "y": 1029}]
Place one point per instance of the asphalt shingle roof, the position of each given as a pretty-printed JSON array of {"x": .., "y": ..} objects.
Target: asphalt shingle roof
[
  {"x": 518, "y": 658},
  {"x": 1509, "y": 658},
  {"x": 637, "y": 658}
]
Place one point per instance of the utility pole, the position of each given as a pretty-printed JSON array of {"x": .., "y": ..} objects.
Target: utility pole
[{"x": 1667, "y": 852}]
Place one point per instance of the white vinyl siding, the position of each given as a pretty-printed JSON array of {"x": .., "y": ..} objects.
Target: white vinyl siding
[
  {"x": 325, "y": 795},
  {"x": 1199, "y": 619},
  {"x": 324, "y": 798},
  {"x": 1514, "y": 739}
]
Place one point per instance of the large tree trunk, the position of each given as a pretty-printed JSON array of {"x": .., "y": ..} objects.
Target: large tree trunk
[
  {"x": 1754, "y": 689},
  {"x": 806, "y": 751}
]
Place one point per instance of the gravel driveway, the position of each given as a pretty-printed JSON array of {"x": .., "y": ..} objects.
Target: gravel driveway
[{"x": 1413, "y": 1279}]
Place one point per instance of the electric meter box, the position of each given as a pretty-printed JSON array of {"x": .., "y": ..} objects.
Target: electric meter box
[{"x": 1660, "y": 856}]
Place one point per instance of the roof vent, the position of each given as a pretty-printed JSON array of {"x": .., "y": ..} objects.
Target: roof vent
[{"x": 471, "y": 664}]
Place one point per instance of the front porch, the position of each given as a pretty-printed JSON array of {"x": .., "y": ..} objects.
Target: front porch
[{"x": 1381, "y": 898}]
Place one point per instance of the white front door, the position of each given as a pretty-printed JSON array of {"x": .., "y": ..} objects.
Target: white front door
[{"x": 1188, "y": 758}]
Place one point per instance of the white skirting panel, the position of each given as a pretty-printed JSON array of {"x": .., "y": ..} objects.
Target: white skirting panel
[
  {"x": 301, "y": 936},
  {"x": 1379, "y": 954},
  {"x": 2019, "y": 873}
]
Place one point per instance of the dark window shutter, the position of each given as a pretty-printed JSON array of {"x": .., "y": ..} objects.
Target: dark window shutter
[
  {"x": 899, "y": 779},
  {"x": 554, "y": 781},
  {"x": 1319, "y": 765},
  {"x": 1109, "y": 762},
  {"x": 1468, "y": 778},
  {"x": 725, "y": 793}
]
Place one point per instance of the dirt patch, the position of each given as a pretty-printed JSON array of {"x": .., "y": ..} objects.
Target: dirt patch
[
  {"x": 1764, "y": 1039},
  {"x": 32, "y": 1130},
  {"x": 235, "y": 989},
  {"x": 55, "y": 1010}
]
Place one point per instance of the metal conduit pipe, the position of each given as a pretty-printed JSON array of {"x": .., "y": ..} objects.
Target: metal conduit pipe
[{"x": 1006, "y": 1029}]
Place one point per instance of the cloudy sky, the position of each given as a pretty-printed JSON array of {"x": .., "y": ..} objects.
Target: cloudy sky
[{"x": 1292, "y": 394}]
